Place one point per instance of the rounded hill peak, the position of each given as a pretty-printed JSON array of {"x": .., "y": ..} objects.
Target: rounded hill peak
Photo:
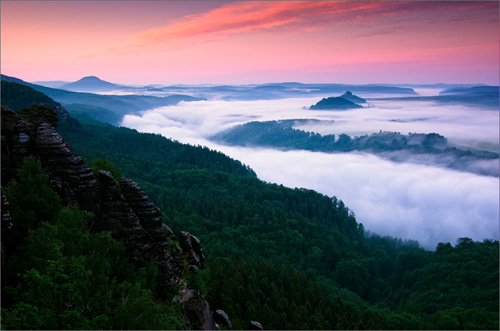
[{"x": 91, "y": 78}]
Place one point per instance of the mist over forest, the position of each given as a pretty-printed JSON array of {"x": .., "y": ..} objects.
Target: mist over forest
[
  {"x": 250, "y": 165},
  {"x": 397, "y": 194},
  {"x": 430, "y": 197},
  {"x": 325, "y": 204}
]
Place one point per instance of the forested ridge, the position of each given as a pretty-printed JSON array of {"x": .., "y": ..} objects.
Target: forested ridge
[
  {"x": 414, "y": 147},
  {"x": 257, "y": 234},
  {"x": 288, "y": 258}
]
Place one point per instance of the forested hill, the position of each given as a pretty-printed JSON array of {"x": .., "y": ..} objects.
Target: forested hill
[
  {"x": 106, "y": 108},
  {"x": 288, "y": 258},
  {"x": 334, "y": 103},
  {"x": 294, "y": 258},
  {"x": 16, "y": 96},
  {"x": 417, "y": 148}
]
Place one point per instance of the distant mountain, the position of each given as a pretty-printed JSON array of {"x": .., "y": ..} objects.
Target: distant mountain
[
  {"x": 101, "y": 107},
  {"x": 334, "y": 103},
  {"x": 52, "y": 83},
  {"x": 353, "y": 98},
  {"x": 472, "y": 96},
  {"x": 482, "y": 96},
  {"x": 474, "y": 90},
  {"x": 91, "y": 84}
]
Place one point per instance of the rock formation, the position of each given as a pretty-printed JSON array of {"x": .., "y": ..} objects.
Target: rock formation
[
  {"x": 335, "y": 103},
  {"x": 191, "y": 247},
  {"x": 222, "y": 319},
  {"x": 353, "y": 98},
  {"x": 70, "y": 176},
  {"x": 196, "y": 308},
  {"x": 121, "y": 208},
  {"x": 131, "y": 218},
  {"x": 254, "y": 325}
]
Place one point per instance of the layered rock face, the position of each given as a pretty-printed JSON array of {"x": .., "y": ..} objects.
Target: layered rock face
[
  {"x": 128, "y": 214},
  {"x": 70, "y": 176},
  {"x": 125, "y": 211},
  {"x": 119, "y": 207}
]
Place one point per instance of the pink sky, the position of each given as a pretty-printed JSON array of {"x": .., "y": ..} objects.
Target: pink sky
[{"x": 242, "y": 42}]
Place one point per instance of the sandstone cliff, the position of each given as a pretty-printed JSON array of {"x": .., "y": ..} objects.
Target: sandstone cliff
[{"x": 124, "y": 210}]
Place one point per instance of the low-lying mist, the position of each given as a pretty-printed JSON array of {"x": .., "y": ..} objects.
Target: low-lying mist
[
  {"x": 404, "y": 200},
  {"x": 412, "y": 201}
]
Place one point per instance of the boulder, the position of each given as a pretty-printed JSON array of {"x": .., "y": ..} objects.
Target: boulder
[
  {"x": 221, "y": 318},
  {"x": 196, "y": 308},
  {"x": 191, "y": 247},
  {"x": 254, "y": 325}
]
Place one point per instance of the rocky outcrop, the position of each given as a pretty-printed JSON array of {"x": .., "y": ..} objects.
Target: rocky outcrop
[
  {"x": 59, "y": 109},
  {"x": 149, "y": 215},
  {"x": 70, "y": 176},
  {"x": 254, "y": 325},
  {"x": 197, "y": 310},
  {"x": 122, "y": 208},
  {"x": 191, "y": 247},
  {"x": 128, "y": 214},
  {"x": 353, "y": 98},
  {"x": 222, "y": 320}
]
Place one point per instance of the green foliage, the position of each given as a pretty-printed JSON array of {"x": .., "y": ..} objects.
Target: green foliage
[
  {"x": 334, "y": 103},
  {"x": 17, "y": 96},
  {"x": 62, "y": 276},
  {"x": 281, "y": 297},
  {"x": 92, "y": 113},
  {"x": 100, "y": 164},
  {"x": 31, "y": 199},
  {"x": 38, "y": 114},
  {"x": 327, "y": 272},
  {"x": 462, "y": 276},
  {"x": 9, "y": 120},
  {"x": 198, "y": 280},
  {"x": 143, "y": 154},
  {"x": 281, "y": 134}
]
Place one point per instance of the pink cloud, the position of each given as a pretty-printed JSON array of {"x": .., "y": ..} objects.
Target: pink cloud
[
  {"x": 172, "y": 40},
  {"x": 249, "y": 16}
]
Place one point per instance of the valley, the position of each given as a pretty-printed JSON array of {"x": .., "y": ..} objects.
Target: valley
[{"x": 327, "y": 204}]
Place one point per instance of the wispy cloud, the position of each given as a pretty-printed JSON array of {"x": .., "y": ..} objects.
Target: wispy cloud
[
  {"x": 258, "y": 16},
  {"x": 248, "y": 16},
  {"x": 307, "y": 16}
]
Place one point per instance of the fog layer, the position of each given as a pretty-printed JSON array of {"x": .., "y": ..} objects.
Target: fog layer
[{"x": 411, "y": 201}]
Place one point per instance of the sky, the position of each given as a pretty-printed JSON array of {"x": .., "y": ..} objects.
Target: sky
[{"x": 249, "y": 42}]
